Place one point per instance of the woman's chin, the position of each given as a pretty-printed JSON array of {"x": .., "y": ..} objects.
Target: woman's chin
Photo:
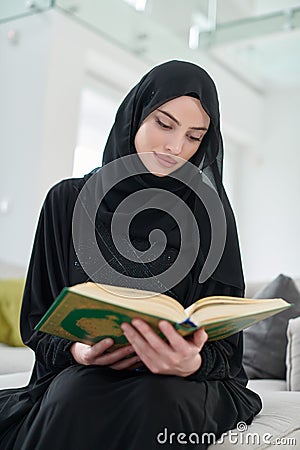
[{"x": 158, "y": 174}]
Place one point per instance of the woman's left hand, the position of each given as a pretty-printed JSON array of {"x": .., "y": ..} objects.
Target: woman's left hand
[{"x": 176, "y": 356}]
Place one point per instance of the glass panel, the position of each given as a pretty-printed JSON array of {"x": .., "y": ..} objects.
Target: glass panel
[
  {"x": 160, "y": 29},
  {"x": 153, "y": 34},
  {"x": 13, "y": 9},
  {"x": 157, "y": 30},
  {"x": 253, "y": 27}
]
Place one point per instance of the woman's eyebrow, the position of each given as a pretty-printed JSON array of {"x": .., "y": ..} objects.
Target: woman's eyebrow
[{"x": 177, "y": 121}]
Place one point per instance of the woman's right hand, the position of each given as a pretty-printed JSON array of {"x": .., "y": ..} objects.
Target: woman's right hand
[{"x": 122, "y": 358}]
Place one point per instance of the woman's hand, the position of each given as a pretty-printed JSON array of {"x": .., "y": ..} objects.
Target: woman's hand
[
  {"x": 178, "y": 356},
  {"x": 122, "y": 358}
]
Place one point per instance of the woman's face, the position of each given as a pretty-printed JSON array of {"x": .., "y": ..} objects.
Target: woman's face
[{"x": 171, "y": 135}]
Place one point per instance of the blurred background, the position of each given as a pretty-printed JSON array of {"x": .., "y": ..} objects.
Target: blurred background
[{"x": 65, "y": 65}]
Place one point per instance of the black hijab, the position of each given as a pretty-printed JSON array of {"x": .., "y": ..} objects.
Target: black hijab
[{"x": 123, "y": 175}]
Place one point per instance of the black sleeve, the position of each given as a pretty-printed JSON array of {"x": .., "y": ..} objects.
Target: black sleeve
[
  {"x": 222, "y": 359},
  {"x": 47, "y": 275}
]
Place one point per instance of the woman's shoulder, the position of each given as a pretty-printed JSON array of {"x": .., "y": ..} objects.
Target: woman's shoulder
[
  {"x": 70, "y": 187},
  {"x": 67, "y": 188},
  {"x": 63, "y": 195}
]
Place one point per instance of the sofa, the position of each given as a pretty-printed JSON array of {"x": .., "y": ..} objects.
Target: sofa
[
  {"x": 16, "y": 361},
  {"x": 278, "y": 424}
]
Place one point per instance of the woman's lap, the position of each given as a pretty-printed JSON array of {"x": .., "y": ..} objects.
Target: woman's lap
[{"x": 95, "y": 408}]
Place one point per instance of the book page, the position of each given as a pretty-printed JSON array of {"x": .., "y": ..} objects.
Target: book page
[
  {"x": 224, "y": 300},
  {"x": 139, "y": 300},
  {"x": 225, "y": 309}
]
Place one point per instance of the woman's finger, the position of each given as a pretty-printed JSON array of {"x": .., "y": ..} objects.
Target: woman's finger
[
  {"x": 114, "y": 356},
  {"x": 199, "y": 338},
  {"x": 147, "y": 344},
  {"x": 177, "y": 342},
  {"x": 100, "y": 347},
  {"x": 150, "y": 336},
  {"x": 127, "y": 363}
]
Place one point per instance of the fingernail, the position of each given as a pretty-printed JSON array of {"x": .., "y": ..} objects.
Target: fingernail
[{"x": 136, "y": 322}]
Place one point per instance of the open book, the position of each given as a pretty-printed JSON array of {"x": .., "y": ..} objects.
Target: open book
[{"x": 90, "y": 312}]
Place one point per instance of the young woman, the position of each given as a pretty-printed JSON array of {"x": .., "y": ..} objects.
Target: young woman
[{"x": 148, "y": 218}]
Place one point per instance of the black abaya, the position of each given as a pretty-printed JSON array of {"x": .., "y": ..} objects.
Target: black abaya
[{"x": 69, "y": 406}]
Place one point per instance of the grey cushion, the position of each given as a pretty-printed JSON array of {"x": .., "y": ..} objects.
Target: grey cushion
[
  {"x": 293, "y": 355},
  {"x": 265, "y": 342},
  {"x": 261, "y": 386}
]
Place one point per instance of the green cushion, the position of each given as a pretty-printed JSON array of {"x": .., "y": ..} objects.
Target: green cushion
[{"x": 11, "y": 292}]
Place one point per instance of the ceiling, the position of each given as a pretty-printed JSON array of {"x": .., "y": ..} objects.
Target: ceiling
[{"x": 258, "y": 41}]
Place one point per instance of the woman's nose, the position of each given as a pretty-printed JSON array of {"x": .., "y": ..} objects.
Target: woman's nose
[{"x": 175, "y": 145}]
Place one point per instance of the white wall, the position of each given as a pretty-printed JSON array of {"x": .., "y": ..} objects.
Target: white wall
[
  {"x": 41, "y": 78},
  {"x": 270, "y": 189},
  {"x": 23, "y": 84}
]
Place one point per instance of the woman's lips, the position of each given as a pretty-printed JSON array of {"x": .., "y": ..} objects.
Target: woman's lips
[{"x": 165, "y": 160}]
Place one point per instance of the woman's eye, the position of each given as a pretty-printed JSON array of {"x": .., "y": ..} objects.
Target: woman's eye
[
  {"x": 163, "y": 125},
  {"x": 193, "y": 138}
]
